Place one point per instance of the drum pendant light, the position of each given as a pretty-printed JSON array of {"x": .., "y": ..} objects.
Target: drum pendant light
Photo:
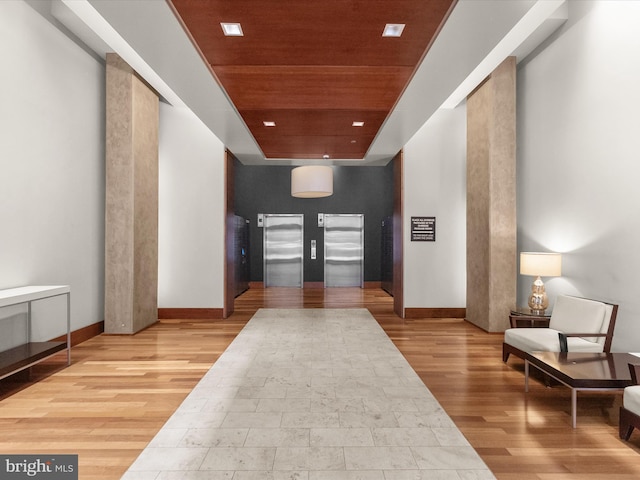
[{"x": 312, "y": 181}]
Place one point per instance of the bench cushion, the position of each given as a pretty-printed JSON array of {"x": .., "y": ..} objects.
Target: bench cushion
[
  {"x": 546, "y": 340},
  {"x": 631, "y": 399}
]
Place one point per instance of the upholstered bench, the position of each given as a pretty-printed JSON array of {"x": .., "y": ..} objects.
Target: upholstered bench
[
  {"x": 576, "y": 325},
  {"x": 630, "y": 409}
]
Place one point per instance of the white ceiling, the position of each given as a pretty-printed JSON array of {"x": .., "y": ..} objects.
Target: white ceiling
[{"x": 478, "y": 35}]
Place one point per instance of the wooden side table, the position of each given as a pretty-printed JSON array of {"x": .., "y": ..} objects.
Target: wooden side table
[{"x": 523, "y": 318}]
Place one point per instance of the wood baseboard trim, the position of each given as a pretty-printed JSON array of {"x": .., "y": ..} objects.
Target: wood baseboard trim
[
  {"x": 317, "y": 285},
  {"x": 435, "y": 312},
  {"x": 82, "y": 334},
  {"x": 190, "y": 313}
]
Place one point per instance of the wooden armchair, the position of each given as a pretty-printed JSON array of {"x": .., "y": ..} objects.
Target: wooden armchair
[
  {"x": 630, "y": 409},
  {"x": 576, "y": 325}
]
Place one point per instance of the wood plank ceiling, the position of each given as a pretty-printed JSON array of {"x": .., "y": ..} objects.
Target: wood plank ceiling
[{"x": 313, "y": 67}]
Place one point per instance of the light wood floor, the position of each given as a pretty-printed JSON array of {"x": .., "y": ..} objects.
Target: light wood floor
[{"x": 120, "y": 390}]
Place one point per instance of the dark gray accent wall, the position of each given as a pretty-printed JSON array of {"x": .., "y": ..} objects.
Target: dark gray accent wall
[{"x": 267, "y": 189}]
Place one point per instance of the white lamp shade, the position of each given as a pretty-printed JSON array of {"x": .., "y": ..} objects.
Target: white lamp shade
[
  {"x": 540, "y": 264},
  {"x": 312, "y": 181}
]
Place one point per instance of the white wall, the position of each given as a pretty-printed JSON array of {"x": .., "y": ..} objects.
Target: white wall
[
  {"x": 51, "y": 165},
  {"x": 435, "y": 185},
  {"x": 191, "y": 218},
  {"x": 578, "y": 158}
]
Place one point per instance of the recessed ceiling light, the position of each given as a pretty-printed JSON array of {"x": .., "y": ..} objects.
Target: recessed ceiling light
[
  {"x": 393, "y": 29},
  {"x": 325, "y": 156},
  {"x": 269, "y": 124},
  {"x": 357, "y": 124},
  {"x": 353, "y": 141},
  {"x": 232, "y": 29}
]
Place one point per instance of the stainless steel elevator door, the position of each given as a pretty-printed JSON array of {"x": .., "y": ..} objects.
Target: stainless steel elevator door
[
  {"x": 343, "y": 250},
  {"x": 283, "y": 250}
]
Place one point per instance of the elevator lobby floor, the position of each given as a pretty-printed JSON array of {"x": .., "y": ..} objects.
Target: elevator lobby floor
[
  {"x": 120, "y": 391},
  {"x": 310, "y": 394}
]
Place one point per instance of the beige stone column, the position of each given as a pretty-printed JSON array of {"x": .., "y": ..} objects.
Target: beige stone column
[
  {"x": 131, "y": 209},
  {"x": 491, "y": 199}
]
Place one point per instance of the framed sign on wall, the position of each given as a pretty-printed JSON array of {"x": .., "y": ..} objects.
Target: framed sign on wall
[{"x": 423, "y": 229}]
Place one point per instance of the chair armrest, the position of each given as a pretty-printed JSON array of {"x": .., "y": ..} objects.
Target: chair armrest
[
  {"x": 562, "y": 337},
  {"x": 584, "y": 334}
]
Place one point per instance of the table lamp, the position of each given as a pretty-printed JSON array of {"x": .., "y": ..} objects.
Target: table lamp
[{"x": 540, "y": 264}]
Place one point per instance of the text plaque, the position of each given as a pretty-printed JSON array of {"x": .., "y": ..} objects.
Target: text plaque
[{"x": 423, "y": 229}]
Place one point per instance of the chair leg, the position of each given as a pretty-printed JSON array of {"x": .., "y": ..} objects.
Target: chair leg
[
  {"x": 505, "y": 353},
  {"x": 626, "y": 428}
]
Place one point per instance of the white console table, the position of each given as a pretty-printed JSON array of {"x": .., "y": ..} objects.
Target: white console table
[{"x": 30, "y": 353}]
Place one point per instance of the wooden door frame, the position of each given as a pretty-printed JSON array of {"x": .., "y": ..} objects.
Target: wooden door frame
[
  {"x": 229, "y": 232},
  {"x": 398, "y": 221}
]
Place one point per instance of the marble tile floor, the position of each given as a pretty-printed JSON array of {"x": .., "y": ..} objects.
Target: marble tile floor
[{"x": 310, "y": 394}]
